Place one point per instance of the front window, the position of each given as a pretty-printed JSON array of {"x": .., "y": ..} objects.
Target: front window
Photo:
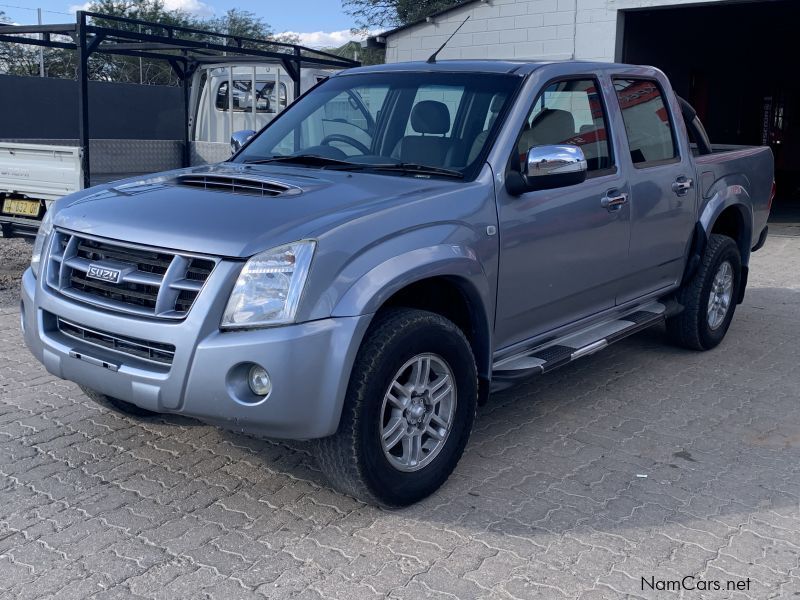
[
  {"x": 439, "y": 120},
  {"x": 569, "y": 112}
]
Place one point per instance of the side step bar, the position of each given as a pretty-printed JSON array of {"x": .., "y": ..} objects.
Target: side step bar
[{"x": 563, "y": 350}]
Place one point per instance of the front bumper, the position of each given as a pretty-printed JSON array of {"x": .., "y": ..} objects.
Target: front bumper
[{"x": 309, "y": 364}]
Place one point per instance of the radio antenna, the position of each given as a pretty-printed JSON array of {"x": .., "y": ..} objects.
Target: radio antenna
[{"x": 432, "y": 59}]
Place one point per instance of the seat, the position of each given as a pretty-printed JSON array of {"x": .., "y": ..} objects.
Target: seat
[
  {"x": 480, "y": 140},
  {"x": 551, "y": 126},
  {"x": 428, "y": 118}
]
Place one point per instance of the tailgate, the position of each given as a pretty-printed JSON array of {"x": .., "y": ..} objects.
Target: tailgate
[{"x": 39, "y": 171}]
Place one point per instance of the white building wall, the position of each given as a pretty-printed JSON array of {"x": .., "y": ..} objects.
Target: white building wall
[{"x": 522, "y": 29}]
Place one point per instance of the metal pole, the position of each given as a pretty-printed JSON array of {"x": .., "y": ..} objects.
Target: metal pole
[
  {"x": 141, "y": 71},
  {"x": 230, "y": 102},
  {"x": 296, "y": 77},
  {"x": 297, "y": 81},
  {"x": 187, "y": 153},
  {"x": 41, "y": 48},
  {"x": 82, "y": 75},
  {"x": 253, "y": 99},
  {"x": 211, "y": 119},
  {"x": 277, "y": 88}
]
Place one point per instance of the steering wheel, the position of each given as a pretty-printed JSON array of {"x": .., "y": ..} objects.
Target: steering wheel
[{"x": 345, "y": 139}]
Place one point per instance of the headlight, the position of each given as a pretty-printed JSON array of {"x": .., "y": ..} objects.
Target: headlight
[
  {"x": 45, "y": 228},
  {"x": 269, "y": 287}
]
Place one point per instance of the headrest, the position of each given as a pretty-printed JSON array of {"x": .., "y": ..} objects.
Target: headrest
[
  {"x": 497, "y": 103},
  {"x": 553, "y": 126},
  {"x": 430, "y": 116}
]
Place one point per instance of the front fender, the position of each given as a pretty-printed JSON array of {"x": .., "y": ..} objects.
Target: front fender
[
  {"x": 378, "y": 284},
  {"x": 458, "y": 263}
]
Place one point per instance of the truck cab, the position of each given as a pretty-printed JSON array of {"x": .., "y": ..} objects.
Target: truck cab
[
  {"x": 235, "y": 96},
  {"x": 391, "y": 248}
]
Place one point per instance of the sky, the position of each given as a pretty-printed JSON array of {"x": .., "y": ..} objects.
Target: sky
[{"x": 320, "y": 23}]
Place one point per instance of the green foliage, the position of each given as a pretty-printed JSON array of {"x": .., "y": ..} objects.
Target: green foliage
[
  {"x": 354, "y": 51},
  {"x": 389, "y": 13},
  {"x": 17, "y": 59},
  {"x": 143, "y": 10}
]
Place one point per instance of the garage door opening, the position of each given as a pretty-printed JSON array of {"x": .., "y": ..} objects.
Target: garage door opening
[{"x": 734, "y": 63}]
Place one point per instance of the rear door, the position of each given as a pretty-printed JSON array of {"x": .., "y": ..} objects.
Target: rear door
[
  {"x": 562, "y": 251},
  {"x": 662, "y": 188}
]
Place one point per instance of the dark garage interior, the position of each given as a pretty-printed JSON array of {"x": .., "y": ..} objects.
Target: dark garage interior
[{"x": 737, "y": 64}]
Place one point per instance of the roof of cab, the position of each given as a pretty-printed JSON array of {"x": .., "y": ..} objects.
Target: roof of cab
[
  {"x": 472, "y": 66},
  {"x": 463, "y": 66}
]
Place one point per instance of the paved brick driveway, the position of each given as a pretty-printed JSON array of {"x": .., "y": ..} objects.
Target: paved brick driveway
[{"x": 550, "y": 500}]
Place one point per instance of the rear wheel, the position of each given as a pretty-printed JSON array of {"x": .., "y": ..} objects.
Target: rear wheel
[
  {"x": 709, "y": 297},
  {"x": 117, "y": 405},
  {"x": 408, "y": 412}
]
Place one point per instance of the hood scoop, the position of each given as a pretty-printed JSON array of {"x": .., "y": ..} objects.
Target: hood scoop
[{"x": 237, "y": 184}]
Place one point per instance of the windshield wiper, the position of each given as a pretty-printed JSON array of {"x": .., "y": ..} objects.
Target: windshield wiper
[
  {"x": 420, "y": 169},
  {"x": 314, "y": 160},
  {"x": 412, "y": 168}
]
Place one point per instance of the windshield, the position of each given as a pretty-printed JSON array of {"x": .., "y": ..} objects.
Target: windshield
[{"x": 424, "y": 124}]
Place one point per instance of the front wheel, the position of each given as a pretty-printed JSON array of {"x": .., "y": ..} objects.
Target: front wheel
[
  {"x": 709, "y": 297},
  {"x": 408, "y": 412}
]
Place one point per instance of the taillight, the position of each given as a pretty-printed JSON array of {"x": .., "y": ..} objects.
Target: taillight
[{"x": 772, "y": 195}]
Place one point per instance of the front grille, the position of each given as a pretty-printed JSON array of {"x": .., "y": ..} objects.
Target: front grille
[
  {"x": 154, "y": 352},
  {"x": 152, "y": 282},
  {"x": 236, "y": 184}
]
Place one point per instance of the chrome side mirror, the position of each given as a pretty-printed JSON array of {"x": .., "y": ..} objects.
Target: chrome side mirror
[
  {"x": 544, "y": 161},
  {"x": 548, "y": 167},
  {"x": 240, "y": 138}
]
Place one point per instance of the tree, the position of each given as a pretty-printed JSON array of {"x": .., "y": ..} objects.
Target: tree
[
  {"x": 388, "y": 13},
  {"x": 109, "y": 67},
  {"x": 354, "y": 51},
  {"x": 18, "y": 59}
]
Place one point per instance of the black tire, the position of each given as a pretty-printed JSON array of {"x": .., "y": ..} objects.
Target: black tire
[
  {"x": 691, "y": 328},
  {"x": 353, "y": 458},
  {"x": 117, "y": 405}
]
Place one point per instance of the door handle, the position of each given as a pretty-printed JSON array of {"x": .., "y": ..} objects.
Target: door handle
[
  {"x": 682, "y": 185},
  {"x": 615, "y": 202}
]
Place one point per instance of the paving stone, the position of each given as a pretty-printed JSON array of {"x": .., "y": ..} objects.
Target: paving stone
[{"x": 640, "y": 461}]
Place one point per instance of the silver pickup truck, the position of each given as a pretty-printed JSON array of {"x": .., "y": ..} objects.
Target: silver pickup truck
[{"x": 468, "y": 225}]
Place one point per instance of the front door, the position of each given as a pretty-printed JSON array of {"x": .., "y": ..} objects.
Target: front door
[{"x": 562, "y": 251}]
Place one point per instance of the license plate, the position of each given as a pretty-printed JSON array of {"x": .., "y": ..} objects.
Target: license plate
[{"x": 25, "y": 208}]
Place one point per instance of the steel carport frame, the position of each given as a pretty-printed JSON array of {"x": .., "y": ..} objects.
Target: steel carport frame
[{"x": 184, "y": 48}]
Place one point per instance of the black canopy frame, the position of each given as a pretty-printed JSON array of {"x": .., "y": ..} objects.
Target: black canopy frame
[{"x": 184, "y": 48}]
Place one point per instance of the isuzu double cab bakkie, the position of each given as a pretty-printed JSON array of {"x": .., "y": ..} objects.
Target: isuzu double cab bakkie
[{"x": 395, "y": 245}]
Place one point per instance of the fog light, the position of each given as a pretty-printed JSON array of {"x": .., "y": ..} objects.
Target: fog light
[{"x": 259, "y": 381}]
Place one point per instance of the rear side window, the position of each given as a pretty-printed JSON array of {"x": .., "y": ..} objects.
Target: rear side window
[{"x": 647, "y": 121}]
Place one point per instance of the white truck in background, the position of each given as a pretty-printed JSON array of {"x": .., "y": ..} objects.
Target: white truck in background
[
  {"x": 32, "y": 176},
  {"x": 35, "y": 172},
  {"x": 216, "y": 114}
]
